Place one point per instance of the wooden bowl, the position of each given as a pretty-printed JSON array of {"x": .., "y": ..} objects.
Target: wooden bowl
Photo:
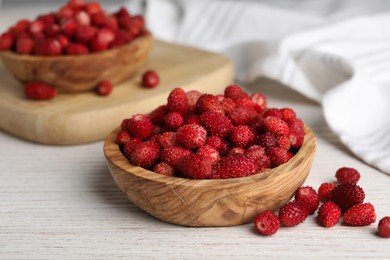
[
  {"x": 222, "y": 202},
  {"x": 78, "y": 73}
]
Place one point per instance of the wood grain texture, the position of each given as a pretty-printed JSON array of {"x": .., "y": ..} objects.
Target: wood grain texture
[
  {"x": 79, "y": 73},
  {"x": 225, "y": 202},
  {"x": 86, "y": 117}
]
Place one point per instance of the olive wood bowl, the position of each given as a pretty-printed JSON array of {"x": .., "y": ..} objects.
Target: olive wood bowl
[
  {"x": 218, "y": 202},
  {"x": 78, "y": 73}
]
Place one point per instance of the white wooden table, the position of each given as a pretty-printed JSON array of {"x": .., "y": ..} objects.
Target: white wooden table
[{"x": 61, "y": 203}]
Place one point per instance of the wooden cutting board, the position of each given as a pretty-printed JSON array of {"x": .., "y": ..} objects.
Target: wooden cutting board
[{"x": 81, "y": 118}]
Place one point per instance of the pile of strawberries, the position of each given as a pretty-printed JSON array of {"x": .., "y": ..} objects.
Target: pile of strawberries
[
  {"x": 77, "y": 28},
  {"x": 205, "y": 136},
  {"x": 342, "y": 199}
]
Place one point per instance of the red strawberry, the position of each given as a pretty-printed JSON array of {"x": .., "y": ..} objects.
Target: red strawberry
[
  {"x": 242, "y": 115},
  {"x": 360, "y": 215},
  {"x": 267, "y": 140},
  {"x": 308, "y": 197},
  {"x": 6, "y": 41},
  {"x": 76, "y": 49},
  {"x": 208, "y": 151},
  {"x": 292, "y": 214},
  {"x": 242, "y": 136},
  {"x": 195, "y": 166},
  {"x": 65, "y": 12},
  {"x": 278, "y": 156},
  {"x": 283, "y": 141},
  {"x": 130, "y": 146},
  {"x": 296, "y": 139},
  {"x": 98, "y": 19},
  {"x": 216, "y": 123},
  {"x": 122, "y": 137},
  {"x": 276, "y": 125},
  {"x": 236, "y": 150},
  {"x": 177, "y": 101},
  {"x": 171, "y": 155},
  {"x": 48, "y": 19},
  {"x": 150, "y": 79},
  {"x": 84, "y": 34},
  {"x": 227, "y": 104},
  {"x": 167, "y": 139},
  {"x": 157, "y": 115},
  {"x": 288, "y": 114},
  {"x": 208, "y": 102},
  {"x": 245, "y": 102},
  {"x": 267, "y": 223},
  {"x": 164, "y": 168},
  {"x": 384, "y": 227},
  {"x": 63, "y": 40},
  {"x": 51, "y": 47},
  {"x": 346, "y": 195},
  {"x": 233, "y": 166},
  {"x": 83, "y": 18},
  {"x": 259, "y": 101},
  {"x": 233, "y": 92},
  {"x": 346, "y": 174},
  {"x": 215, "y": 141},
  {"x": 21, "y": 26},
  {"x": 69, "y": 27},
  {"x": 145, "y": 155},
  {"x": 52, "y": 30},
  {"x": 102, "y": 39},
  {"x": 112, "y": 23},
  {"x": 325, "y": 190},
  {"x": 39, "y": 91},
  {"x": 25, "y": 45},
  {"x": 140, "y": 126},
  {"x": 275, "y": 112},
  {"x": 191, "y": 136},
  {"x": 191, "y": 118},
  {"x": 104, "y": 88},
  {"x": 36, "y": 26},
  {"x": 329, "y": 214},
  {"x": 258, "y": 155},
  {"x": 296, "y": 126},
  {"x": 173, "y": 120},
  {"x": 193, "y": 97},
  {"x": 93, "y": 7},
  {"x": 137, "y": 24}
]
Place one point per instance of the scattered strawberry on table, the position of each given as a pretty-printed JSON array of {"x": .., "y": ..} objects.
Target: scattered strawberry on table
[{"x": 204, "y": 136}]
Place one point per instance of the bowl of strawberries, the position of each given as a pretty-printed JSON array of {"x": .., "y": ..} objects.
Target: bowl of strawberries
[
  {"x": 76, "y": 47},
  {"x": 210, "y": 160}
]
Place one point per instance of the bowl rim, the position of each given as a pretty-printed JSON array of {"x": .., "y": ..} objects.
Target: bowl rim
[
  {"x": 29, "y": 57},
  {"x": 114, "y": 155}
]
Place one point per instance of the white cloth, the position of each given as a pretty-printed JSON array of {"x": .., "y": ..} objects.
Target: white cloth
[{"x": 334, "y": 52}]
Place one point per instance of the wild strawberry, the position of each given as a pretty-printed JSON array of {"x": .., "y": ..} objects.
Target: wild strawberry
[
  {"x": 36, "y": 26},
  {"x": 51, "y": 47},
  {"x": 157, "y": 115},
  {"x": 329, "y": 214},
  {"x": 52, "y": 30},
  {"x": 275, "y": 112},
  {"x": 292, "y": 214},
  {"x": 236, "y": 150},
  {"x": 112, "y": 23},
  {"x": 98, "y": 19},
  {"x": 384, "y": 227},
  {"x": 308, "y": 197},
  {"x": 208, "y": 102},
  {"x": 258, "y": 155},
  {"x": 130, "y": 146},
  {"x": 360, "y": 215},
  {"x": 208, "y": 151},
  {"x": 6, "y": 41},
  {"x": 191, "y": 118},
  {"x": 260, "y": 102},
  {"x": 216, "y": 123},
  {"x": 25, "y": 45},
  {"x": 140, "y": 126},
  {"x": 215, "y": 141},
  {"x": 233, "y": 166},
  {"x": 69, "y": 27},
  {"x": 150, "y": 79},
  {"x": 167, "y": 139},
  {"x": 242, "y": 115},
  {"x": 173, "y": 120},
  {"x": 296, "y": 126},
  {"x": 63, "y": 40},
  {"x": 346, "y": 174},
  {"x": 48, "y": 19},
  {"x": 21, "y": 26},
  {"x": 137, "y": 24},
  {"x": 122, "y": 137},
  {"x": 245, "y": 102},
  {"x": 278, "y": 156},
  {"x": 325, "y": 190},
  {"x": 288, "y": 114},
  {"x": 39, "y": 91},
  {"x": 242, "y": 136},
  {"x": 346, "y": 195},
  {"x": 145, "y": 155},
  {"x": 233, "y": 92},
  {"x": 76, "y": 49},
  {"x": 267, "y": 223},
  {"x": 171, "y": 155},
  {"x": 296, "y": 139},
  {"x": 102, "y": 39},
  {"x": 283, "y": 141},
  {"x": 191, "y": 136},
  {"x": 177, "y": 101},
  {"x": 164, "y": 169},
  {"x": 267, "y": 140},
  {"x": 193, "y": 97},
  {"x": 195, "y": 166},
  {"x": 227, "y": 104},
  {"x": 76, "y": 4},
  {"x": 225, "y": 149},
  {"x": 65, "y": 12},
  {"x": 104, "y": 88},
  {"x": 276, "y": 125},
  {"x": 84, "y": 34},
  {"x": 83, "y": 18},
  {"x": 93, "y": 7}
]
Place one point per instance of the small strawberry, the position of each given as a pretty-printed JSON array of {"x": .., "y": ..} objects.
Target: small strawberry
[
  {"x": 292, "y": 214},
  {"x": 98, "y": 19},
  {"x": 384, "y": 227},
  {"x": 63, "y": 40},
  {"x": 275, "y": 112},
  {"x": 288, "y": 114},
  {"x": 267, "y": 140},
  {"x": 150, "y": 79},
  {"x": 216, "y": 123},
  {"x": 39, "y": 91},
  {"x": 102, "y": 39},
  {"x": 236, "y": 150},
  {"x": 360, "y": 215},
  {"x": 157, "y": 115},
  {"x": 242, "y": 115},
  {"x": 258, "y": 155},
  {"x": 215, "y": 141},
  {"x": 130, "y": 146},
  {"x": 145, "y": 155},
  {"x": 164, "y": 168},
  {"x": 245, "y": 102},
  {"x": 208, "y": 102},
  {"x": 173, "y": 120},
  {"x": 233, "y": 92},
  {"x": 36, "y": 26},
  {"x": 267, "y": 223},
  {"x": 6, "y": 41},
  {"x": 233, "y": 166},
  {"x": 308, "y": 197},
  {"x": 84, "y": 34},
  {"x": 104, "y": 88},
  {"x": 195, "y": 166},
  {"x": 193, "y": 97},
  {"x": 21, "y": 26},
  {"x": 191, "y": 136},
  {"x": 191, "y": 118},
  {"x": 346, "y": 174},
  {"x": 177, "y": 101},
  {"x": 122, "y": 137},
  {"x": 208, "y": 151},
  {"x": 260, "y": 102},
  {"x": 167, "y": 139},
  {"x": 171, "y": 155},
  {"x": 276, "y": 125},
  {"x": 93, "y": 7},
  {"x": 242, "y": 136},
  {"x": 83, "y": 18},
  {"x": 25, "y": 45},
  {"x": 76, "y": 49},
  {"x": 325, "y": 190},
  {"x": 278, "y": 156},
  {"x": 227, "y": 104},
  {"x": 52, "y": 30},
  {"x": 69, "y": 27},
  {"x": 346, "y": 195},
  {"x": 283, "y": 141},
  {"x": 140, "y": 126},
  {"x": 51, "y": 47},
  {"x": 296, "y": 139},
  {"x": 329, "y": 214}
]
